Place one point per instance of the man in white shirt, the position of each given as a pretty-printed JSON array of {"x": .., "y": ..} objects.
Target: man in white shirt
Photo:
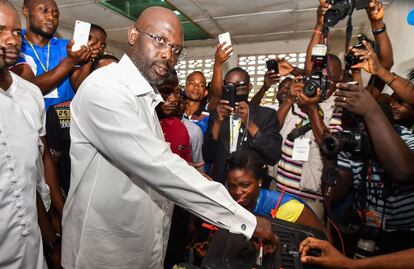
[
  {"x": 20, "y": 239},
  {"x": 118, "y": 210}
]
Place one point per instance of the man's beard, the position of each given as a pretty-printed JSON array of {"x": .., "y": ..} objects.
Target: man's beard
[
  {"x": 39, "y": 31},
  {"x": 144, "y": 65}
]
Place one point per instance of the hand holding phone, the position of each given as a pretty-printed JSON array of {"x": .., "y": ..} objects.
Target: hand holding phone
[
  {"x": 272, "y": 66},
  {"x": 81, "y": 34},
  {"x": 229, "y": 94},
  {"x": 224, "y": 40}
]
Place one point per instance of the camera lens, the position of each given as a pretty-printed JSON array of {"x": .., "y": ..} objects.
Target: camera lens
[
  {"x": 311, "y": 87},
  {"x": 351, "y": 59},
  {"x": 330, "y": 145}
]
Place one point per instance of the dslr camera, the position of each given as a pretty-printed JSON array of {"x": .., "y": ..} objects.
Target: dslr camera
[
  {"x": 353, "y": 139},
  {"x": 342, "y": 8},
  {"x": 351, "y": 59},
  {"x": 317, "y": 79}
]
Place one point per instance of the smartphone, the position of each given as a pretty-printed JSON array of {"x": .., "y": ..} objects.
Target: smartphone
[
  {"x": 272, "y": 66},
  {"x": 224, "y": 38},
  {"x": 81, "y": 34},
  {"x": 229, "y": 94}
]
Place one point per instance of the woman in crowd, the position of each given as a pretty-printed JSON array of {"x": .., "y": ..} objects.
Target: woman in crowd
[{"x": 246, "y": 171}]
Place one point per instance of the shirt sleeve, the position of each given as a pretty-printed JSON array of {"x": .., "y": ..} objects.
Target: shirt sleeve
[{"x": 105, "y": 121}]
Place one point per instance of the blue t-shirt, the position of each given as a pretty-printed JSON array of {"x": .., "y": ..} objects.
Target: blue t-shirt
[
  {"x": 64, "y": 91},
  {"x": 290, "y": 207}
]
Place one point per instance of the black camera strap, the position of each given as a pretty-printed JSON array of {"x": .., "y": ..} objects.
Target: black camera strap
[
  {"x": 299, "y": 131},
  {"x": 349, "y": 29}
]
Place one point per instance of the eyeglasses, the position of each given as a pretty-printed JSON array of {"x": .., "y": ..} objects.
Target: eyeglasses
[{"x": 162, "y": 43}]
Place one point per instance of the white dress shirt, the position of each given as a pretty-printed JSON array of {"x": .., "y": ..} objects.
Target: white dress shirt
[
  {"x": 124, "y": 175},
  {"x": 30, "y": 99},
  {"x": 20, "y": 239}
]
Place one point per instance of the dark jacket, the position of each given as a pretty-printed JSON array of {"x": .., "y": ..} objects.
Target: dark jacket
[{"x": 267, "y": 142}]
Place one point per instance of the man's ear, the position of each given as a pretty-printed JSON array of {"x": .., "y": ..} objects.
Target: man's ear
[
  {"x": 132, "y": 36},
  {"x": 205, "y": 93},
  {"x": 250, "y": 86},
  {"x": 25, "y": 12}
]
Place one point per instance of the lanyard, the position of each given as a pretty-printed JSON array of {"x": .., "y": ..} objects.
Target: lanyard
[
  {"x": 37, "y": 56},
  {"x": 234, "y": 128}
]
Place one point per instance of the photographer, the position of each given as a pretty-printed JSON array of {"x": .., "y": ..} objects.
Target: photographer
[
  {"x": 382, "y": 179},
  {"x": 306, "y": 121},
  {"x": 246, "y": 125}
]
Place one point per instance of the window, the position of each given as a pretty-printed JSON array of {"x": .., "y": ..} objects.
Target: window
[
  {"x": 187, "y": 66},
  {"x": 255, "y": 65}
]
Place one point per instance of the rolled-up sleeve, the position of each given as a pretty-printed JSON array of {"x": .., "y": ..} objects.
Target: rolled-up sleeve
[{"x": 117, "y": 123}]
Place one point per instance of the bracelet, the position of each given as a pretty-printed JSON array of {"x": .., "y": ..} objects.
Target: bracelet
[
  {"x": 317, "y": 32},
  {"x": 393, "y": 79},
  {"x": 379, "y": 31}
]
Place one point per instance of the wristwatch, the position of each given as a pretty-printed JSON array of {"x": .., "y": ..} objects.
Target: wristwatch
[{"x": 379, "y": 31}]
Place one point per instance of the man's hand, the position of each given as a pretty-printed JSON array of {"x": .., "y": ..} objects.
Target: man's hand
[
  {"x": 222, "y": 53},
  {"x": 270, "y": 78},
  {"x": 223, "y": 110},
  {"x": 243, "y": 111},
  {"x": 80, "y": 56},
  {"x": 96, "y": 48},
  {"x": 355, "y": 99},
  {"x": 285, "y": 68},
  {"x": 306, "y": 103},
  {"x": 375, "y": 11},
  {"x": 320, "y": 14},
  {"x": 371, "y": 63},
  {"x": 264, "y": 232},
  {"x": 330, "y": 257}
]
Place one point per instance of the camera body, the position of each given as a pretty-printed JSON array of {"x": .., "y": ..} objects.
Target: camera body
[
  {"x": 353, "y": 139},
  {"x": 342, "y": 8},
  {"x": 351, "y": 59},
  {"x": 317, "y": 79}
]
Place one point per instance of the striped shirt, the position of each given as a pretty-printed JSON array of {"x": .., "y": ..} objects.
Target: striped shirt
[
  {"x": 301, "y": 178},
  {"x": 399, "y": 206}
]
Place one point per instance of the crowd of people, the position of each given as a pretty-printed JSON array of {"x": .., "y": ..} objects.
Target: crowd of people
[{"x": 111, "y": 163}]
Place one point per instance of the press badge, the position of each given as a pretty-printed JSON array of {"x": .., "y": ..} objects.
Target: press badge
[
  {"x": 53, "y": 94},
  {"x": 301, "y": 148}
]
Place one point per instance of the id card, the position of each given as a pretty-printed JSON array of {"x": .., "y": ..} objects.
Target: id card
[{"x": 301, "y": 148}]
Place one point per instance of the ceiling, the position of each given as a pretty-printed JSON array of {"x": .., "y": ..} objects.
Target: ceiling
[{"x": 246, "y": 20}]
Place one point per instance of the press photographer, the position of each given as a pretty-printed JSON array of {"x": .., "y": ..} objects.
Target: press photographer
[{"x": 382, "y": 180}]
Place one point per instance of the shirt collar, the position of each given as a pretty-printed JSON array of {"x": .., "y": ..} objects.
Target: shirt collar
[{"x": 130, "y": 76}]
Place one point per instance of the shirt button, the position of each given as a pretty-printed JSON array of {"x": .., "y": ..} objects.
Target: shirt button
[
  {"x": 243, "y": 227},
  {"x": 19, "y": 205},
  {"x": 25, "y": 232},
  {"x": 20, "y": 214},
  {"x": 8, "y": 156},
  {"x": 23, "y": 223},
  {"x": 11, "y": 169},
  {"x": 4, "y": 143},
  {"x": 17, "y": 195},
  {"x": 14, "y": 180}
]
